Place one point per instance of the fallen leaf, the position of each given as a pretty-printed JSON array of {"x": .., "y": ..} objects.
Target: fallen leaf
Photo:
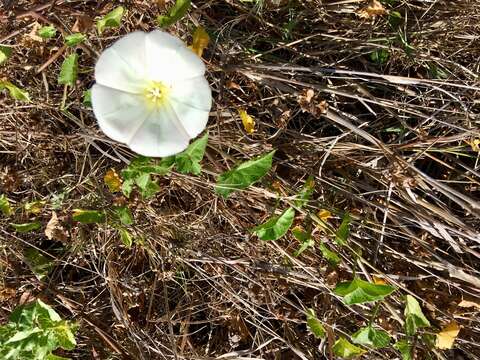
[
  {"x": 372, "y": 10},
  {"x": 309, "y": 102},
  {"x": 112, "y": 180},
  {"x": 7, "y": 293},
  {"x": 82, "y": 24},
  {"x": 200, "y": 41},
  {"x": 475, "y": 144},
  {"x": 55, "y": 230},
  {"x": 247, "y": 121},
  {"x": 446, "y": 337},
  {"x": 324, "y": 215},
  {"x": 379, "y": 280},
  {"x": 469, "y": 304}
]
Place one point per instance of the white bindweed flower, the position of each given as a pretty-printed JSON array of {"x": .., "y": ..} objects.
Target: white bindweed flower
[{"x": 151, "y": 93}]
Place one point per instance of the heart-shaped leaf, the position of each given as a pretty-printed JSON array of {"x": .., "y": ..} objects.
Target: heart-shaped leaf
[
  {"x": 276, "y": 226},
  {"x": 359, "y": 291},
  {"x": 244, "y": 174}
]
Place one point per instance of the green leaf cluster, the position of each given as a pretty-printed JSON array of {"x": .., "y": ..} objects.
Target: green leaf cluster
[
  {"x": 34, "y": 331},
  {"x": 139, "y": 171}
]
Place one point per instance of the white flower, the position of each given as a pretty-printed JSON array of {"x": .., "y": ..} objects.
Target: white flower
[{"x": 151, "y": 93}]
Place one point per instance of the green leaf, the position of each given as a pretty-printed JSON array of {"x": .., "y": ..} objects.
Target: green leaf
[
  {"x": 14, "y": 91},
  {"x": 27, "y": 227},
  {"x": 394, "y": 18},
  {"x": 88, "y": 216},
  {"x": 276, "y": 226},
  {"x": 126, "y": 237},
  {"x": 314, "y": 325},
  {"x": 124, "y": 215},
  {"x": 112, "y": 19},
  {"x": 47, "y": 32},
  {"x": 379, "y": 56},
  {"x": 38, "y": 263},
  {"x": 346, "y": 350},
  {"x": 331, "y": 256},
  {"x": 5, "y": 53},
  {"x": 148, "y": 188},
  {"x": 359, "y": 291},
  {"x": 69, "y": 71},
  {"x": 64, "y": 334},
  {"x": 189, "y": 160},
  {"x": 306, "y": 192},
  {"x": 304, "y": 246},
  {"x": 175, "y": 13},
  {"x": 22, "y": 335},
  {"x": 34, "y": 331},
  {"x": 87, "y": 98},
  {"x": 405, "y": 349},
  {"x": 5, "y": 207},
  {"x": 414, "y": 317},
  {"x": 55, "y": 357},
  {"x": 138, "y": 173},
  {"x": 75, "y": 39},
  {"x": 244, "y": 174},
  {"x": 371, "y": 337},
  {"x": 304, "y": 238},
  {"x": 341, "y": 236},
  {"x": 127, "y": 187},
  {"x": 35, "y": 207}
]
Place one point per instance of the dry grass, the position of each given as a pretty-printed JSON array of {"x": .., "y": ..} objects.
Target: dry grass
[{"x": 394, "y": 150}]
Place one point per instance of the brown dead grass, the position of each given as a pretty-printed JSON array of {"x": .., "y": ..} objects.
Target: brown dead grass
[{"x": 394, "y": 153}]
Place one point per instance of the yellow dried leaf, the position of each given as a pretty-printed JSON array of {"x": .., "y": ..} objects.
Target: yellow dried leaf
[
  {"x": 200, "y": 41},
  {"x": 373, "y": 9},
  {"x": 475, "y": 144},
  {"x": 112, "y": 180},
  {"x": 324, "y": 215},
  {"x": 446, "y": 337},
  {"x": 378, "y": 280},
  {"x": 247, "y": 121}
]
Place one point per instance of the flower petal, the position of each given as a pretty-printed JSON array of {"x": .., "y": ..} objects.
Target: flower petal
[
  {"x": 118, "y": 113},
  {"x": 122, "y": 66},
  {"x": 192, "y": 119},
  {"x": 159, "y": 135},
  {"x": 194, "y": 92},
  {"x": 168, "y": 59}
]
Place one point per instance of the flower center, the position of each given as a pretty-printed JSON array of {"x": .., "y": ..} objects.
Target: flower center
[{"x": 156, "y": 93}]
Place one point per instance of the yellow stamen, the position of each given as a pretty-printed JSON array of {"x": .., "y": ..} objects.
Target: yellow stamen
[{"x": 156, "y": 93}]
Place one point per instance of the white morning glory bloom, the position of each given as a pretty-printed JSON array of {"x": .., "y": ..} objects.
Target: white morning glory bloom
[{"x": 151, "y": 93}]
